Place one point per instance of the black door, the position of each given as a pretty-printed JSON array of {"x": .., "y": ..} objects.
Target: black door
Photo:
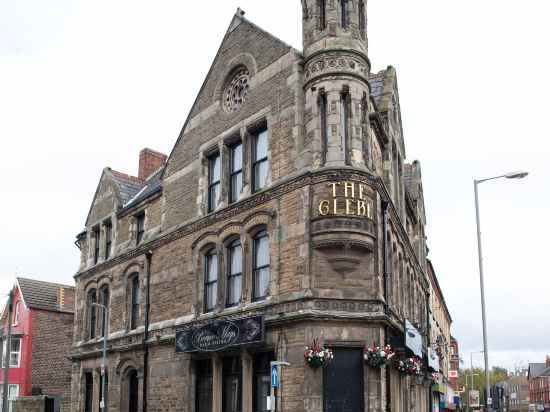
[
  {"x": 133, "y": 389},
  {"x": 343, "y": 381}
]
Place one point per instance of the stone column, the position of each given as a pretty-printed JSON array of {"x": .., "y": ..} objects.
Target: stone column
[
  {"x": 247, "y": 381},
  {"x": 217, "y": 383}
]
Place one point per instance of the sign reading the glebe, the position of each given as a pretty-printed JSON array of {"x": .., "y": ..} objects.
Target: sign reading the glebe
[{"x": 348, "y": 198}]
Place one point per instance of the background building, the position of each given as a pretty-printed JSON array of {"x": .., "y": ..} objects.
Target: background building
[
  {"x": 539, "y": 385},
  {"x": 42, "y": 334},
  {"x": 285, "y": 215}
]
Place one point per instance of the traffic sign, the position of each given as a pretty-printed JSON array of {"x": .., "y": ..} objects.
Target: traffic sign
[{"x": 275, "y": 376}]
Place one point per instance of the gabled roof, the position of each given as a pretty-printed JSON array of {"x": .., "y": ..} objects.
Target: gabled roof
[
  {"x": 128, "y": 186},
  {"x": 376, "y": 81},
  {"x": 237, "y": 20},
  {"x": 42, "y": 295},
  {"x": 152, "y": 186},
  {"x": 538, "y": 369}
]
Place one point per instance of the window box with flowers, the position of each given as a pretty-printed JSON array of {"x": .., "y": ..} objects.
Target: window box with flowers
[
  {"x": 378, "y": 357},
  {"x": 317, "y": 356}
]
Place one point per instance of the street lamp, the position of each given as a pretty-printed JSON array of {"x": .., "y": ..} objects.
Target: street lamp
[
  {"x": 103, "y": 405},
  {"x": 512, "y": 175}
]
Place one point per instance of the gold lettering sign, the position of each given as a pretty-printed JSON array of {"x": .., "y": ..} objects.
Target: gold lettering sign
[{"x": 348, "y": 198}]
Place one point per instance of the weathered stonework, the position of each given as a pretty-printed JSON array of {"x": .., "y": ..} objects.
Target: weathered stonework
[{"x": 346, "y": 258}]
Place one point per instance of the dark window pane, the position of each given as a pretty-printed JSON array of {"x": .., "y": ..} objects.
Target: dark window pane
[
  {"x": 204, "y": 386},
  {"x": 140, "y": 227},
  {"x": 133, "y": 392},
  {"x": 96, "y": 244},
  {"x": 88, "y": 392},
  {"x": 104, "y": 302},
  {"x": 92, "y": 299},
  {"x": 232, "y": 391},
  {"x": 108, "y": 240},
  {"x": 262, "y": 381},
  {"x": 136, "y": 297}
]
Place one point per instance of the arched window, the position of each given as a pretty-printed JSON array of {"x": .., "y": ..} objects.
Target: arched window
[
  {"x": 135, "y": 300},
  {"x": 261, "y": 266},
  {"x": 344, "y": 13},
  {"x": 104, "y": 300},
  {"x": 345, "y": 116},
  {"x": 234, "y": 273},
  {"x": 362, "y": 20},
  {"x": 322, "y": 4},
  {"x": 210, "y": 280},
  {"x": 92, "y": 313}
]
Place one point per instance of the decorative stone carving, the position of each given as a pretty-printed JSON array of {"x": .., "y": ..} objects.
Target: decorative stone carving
[
  {"x": 236, "y": 91},
  {"x": 337, "y": 62}
]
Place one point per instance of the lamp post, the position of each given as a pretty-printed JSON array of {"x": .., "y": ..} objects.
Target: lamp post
[
  {"x": 103, "y": 405},
  {"x": 512, "y": 175}
]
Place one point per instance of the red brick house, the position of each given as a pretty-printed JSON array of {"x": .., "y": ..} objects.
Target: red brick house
[
  {"x": 42, "y": 332},
  {"x": 539, "y": 385}
]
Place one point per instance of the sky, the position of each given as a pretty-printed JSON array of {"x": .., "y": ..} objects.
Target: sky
[{"x": 88, "y": 84}]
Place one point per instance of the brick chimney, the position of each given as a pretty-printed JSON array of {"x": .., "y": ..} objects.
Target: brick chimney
[{"x": 149, "y": 162}]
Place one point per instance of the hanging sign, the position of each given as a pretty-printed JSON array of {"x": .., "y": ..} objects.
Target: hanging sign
[
  {"x": 433, "y": 360},
  {"x": 413, "y": 339},
  {"x": 221, "y": 334}
]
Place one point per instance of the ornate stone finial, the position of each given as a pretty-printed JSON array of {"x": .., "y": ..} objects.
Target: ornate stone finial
[{"x": 240, "y": 12}]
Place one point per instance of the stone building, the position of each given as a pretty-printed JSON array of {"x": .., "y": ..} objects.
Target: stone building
[
  {"x": 285, "y": 214},
  {"x": 442, "y": 344}
]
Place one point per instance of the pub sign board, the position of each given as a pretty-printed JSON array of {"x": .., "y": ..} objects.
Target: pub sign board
[{"x": 221, "y": 334}]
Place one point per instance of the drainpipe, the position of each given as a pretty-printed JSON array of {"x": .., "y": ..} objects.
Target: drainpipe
[
  {"x": 148, "y": 256},
  {"x": 7, "y": 355},
  {"x": 385, "y": 275}
]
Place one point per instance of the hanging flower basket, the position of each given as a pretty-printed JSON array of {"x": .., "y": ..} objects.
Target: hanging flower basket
[
  {"x": 410, "y": 366},
  {"x": 316, "y": 356},
  {"x": 434, "y": 377},
  {"x": 377, "y": 357}
]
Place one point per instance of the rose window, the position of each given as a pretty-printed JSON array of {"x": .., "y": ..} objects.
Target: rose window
[{"x": 236, "y": 91}]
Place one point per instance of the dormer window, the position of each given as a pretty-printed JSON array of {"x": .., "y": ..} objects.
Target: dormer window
[
  {"x": 140, "y": 227},
  {"x": 108, "y": 239},
  {"x": 96, "y": 237}
]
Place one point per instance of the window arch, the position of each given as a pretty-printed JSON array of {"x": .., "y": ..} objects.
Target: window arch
[
  {"x": 234, "y": 273},
  {"x": 211, "y": 269},
  {"x": 92, "y": 313},
  {"x": 260, "y": 265}
]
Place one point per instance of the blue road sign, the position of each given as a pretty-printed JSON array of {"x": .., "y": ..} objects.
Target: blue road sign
[{"x": 274, "y": 376}]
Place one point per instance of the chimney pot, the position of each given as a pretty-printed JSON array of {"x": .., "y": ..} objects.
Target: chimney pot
[{"x": 149, "y": 162}]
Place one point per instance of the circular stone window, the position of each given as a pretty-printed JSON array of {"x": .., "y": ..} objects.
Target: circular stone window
[{"x": 236, "y": 91}]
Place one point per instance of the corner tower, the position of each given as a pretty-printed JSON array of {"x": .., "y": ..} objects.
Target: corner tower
[{"x": 336, "y": 86}]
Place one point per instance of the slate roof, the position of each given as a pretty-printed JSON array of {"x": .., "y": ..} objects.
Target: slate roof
[
  {"x": 42, "y": 295},
  {"x": 376, "y": 81},
  {"x": 152, "y": 186},
  {"x": 129, "y": 186},
  {"x": 538, "y": 369}
]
